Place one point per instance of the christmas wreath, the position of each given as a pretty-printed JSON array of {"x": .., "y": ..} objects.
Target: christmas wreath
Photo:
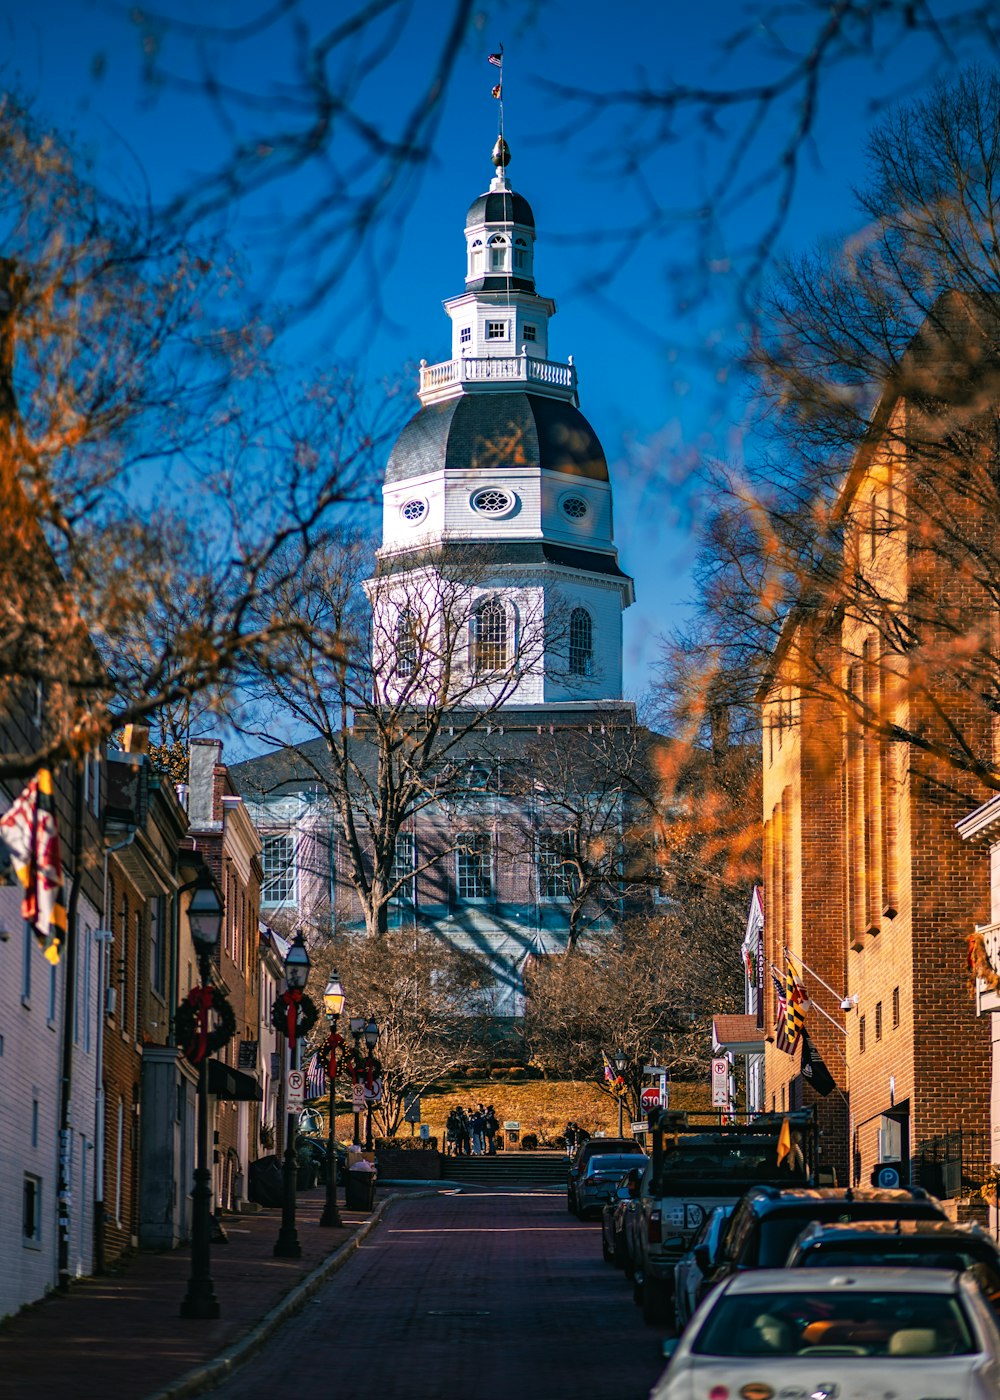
[
  {"x": 328, "y": 1051},
  {"x": 195, "y": 1035},
  {"x": 294, "y": 1015}
]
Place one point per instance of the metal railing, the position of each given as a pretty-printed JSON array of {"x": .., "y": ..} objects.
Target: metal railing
[{"x": 953, "y": 1164}]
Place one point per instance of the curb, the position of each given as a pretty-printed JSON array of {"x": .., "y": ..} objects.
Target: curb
[{"x": 210, "y": 1373}]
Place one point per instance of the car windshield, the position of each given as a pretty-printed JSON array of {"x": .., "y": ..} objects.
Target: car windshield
[
  {"x": 779, "y": 1230},
  {"x": 902, "y": 1253},
  {"x": 609, "y": 1166},
  {"x": 842, "y": 1323},
  {"x": 721, "y": 1163}
]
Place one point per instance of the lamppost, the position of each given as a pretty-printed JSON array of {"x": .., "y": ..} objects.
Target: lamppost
[
  {"x": 297, "y": 966},
  {"x": 205, "y": 922},
  {"x": 357, "y": 1028},
  {"x": 371, "y": 1040},
  {"x": 333, "y": 1002},
  {"x": 620, "y": 1060}
]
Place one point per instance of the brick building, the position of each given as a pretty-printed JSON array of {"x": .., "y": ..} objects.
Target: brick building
[{"x": 870, "y": 709}]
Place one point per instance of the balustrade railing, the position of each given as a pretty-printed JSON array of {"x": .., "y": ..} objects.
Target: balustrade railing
[{"x": 480, "y": 369}]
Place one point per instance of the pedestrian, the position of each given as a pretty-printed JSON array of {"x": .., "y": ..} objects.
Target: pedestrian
[
  {"x": 569, "y": 1133},
  {"x": 463, "y": 1132},
  {"x": 477, "y": 1122},
  {"x": 492, "y": 1128},
  {"x": 453, "y": 1133}
]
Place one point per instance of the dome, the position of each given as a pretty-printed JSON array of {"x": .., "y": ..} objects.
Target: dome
[
  {"x": 498, "y": 430},
  {"x": 500, "y": 207}
]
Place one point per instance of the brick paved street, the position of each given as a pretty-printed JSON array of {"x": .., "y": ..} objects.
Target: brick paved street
[{"x": 475, "y": 1296}]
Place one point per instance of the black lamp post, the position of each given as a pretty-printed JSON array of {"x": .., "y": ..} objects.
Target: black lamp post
[
  {"x": 205, "y": 922},
  {"x": 371, "y": 1040},
  {"x": 333, "y": 1002},
  {"x": 620, "y": 1060},
  {"x": 287, "y": 1245},
  {"x": 357, "y": 1028}
]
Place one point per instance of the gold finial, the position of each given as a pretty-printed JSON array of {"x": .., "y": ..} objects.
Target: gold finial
[{"x": 501, "y": 154}]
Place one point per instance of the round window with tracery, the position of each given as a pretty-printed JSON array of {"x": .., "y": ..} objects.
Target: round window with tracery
[
  {"x": 493, "y": 500},
  {"x": 414, "y": 511},
  {"x": 575, "y": 507}
]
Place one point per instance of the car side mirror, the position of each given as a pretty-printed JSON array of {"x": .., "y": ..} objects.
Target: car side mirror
[
  {"x": 669, "y": 1347},
  {"x": 702, "y": 1257}
]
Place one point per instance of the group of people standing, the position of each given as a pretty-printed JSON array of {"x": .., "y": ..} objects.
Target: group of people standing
[
  {"x": 575, "y": 1137},
  {"x": 472, "y": 1133}
]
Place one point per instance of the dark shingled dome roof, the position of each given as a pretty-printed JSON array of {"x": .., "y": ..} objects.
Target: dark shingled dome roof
[
  {"x": 498, "y": 430},
  {"x": 500, "y": 207}
]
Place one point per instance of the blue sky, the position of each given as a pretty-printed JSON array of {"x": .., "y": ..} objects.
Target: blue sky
[{"x": 643, "y": 380}]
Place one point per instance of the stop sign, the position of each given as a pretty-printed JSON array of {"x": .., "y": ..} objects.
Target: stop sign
[{"x": 650, "y": 1098}]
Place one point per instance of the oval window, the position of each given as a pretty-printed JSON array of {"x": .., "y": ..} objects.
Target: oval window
[
  {"x": 493, "y": 500},
  {"x": 413, "y": 511},
  {"x": 575, "y": 507}
]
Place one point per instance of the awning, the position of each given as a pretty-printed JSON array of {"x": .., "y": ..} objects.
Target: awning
[
  {"x": 224, "y": 1082},
  {"x": 740, "y": 1034}
]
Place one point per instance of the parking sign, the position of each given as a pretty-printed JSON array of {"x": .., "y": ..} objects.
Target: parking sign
[{"x": 720, "y": 1083}]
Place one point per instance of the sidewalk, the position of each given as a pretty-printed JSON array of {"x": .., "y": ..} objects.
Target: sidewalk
[{"x": 120, "y": 1337}]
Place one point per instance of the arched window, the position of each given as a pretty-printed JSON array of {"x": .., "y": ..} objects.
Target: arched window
[
  {"x": 581, "y": 643},
  {"x": 498, "y": 254},
  {"x": 476, "y": 257},
  {"x": 406, "y": 644},
  {"x": 520, "y": 253},
  {"x": 489, "y": 636}
]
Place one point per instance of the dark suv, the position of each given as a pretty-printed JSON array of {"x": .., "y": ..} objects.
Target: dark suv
[
  {"x": 904, "y": 1244},
  {"x": 767, "y": 1220},
  {"x": 595, "y": 1147}
]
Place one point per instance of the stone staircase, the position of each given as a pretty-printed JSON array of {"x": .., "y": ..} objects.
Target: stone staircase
[{"x": 508, "y": 1169}]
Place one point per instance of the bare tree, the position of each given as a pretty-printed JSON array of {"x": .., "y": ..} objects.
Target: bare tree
[
  {"x": 867, "y": 514},
  {"x": 431, "y": 1003},
  {"x": 385, "y": 703}
]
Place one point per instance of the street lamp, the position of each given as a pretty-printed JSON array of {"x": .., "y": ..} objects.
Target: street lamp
[
  {"x": 333, "y": 1003},
  {"x": 297, "y": 966},
  {"x": 205, "y": 923},
  {"x": 357, "y": 1029},
  {"x": 620, "y": 1060},
  {"x": 371, "y": 1040}
]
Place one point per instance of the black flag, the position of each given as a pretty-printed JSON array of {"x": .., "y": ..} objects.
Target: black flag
[{"x": 814, "y": 1071}]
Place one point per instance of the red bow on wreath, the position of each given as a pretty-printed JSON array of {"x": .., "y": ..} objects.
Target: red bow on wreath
[
  {"x": 202, "y": 1000},
  {"x": 291, "y": 998}
]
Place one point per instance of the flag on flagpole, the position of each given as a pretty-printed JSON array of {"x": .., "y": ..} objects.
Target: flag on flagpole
[
  {"x": 795, "y": 1005},
  {"x": 784, "y": 1141},
  {"x": 813, "y": 1068},
  {"x": 781, "y": 1041},
  {"x": 29, "y": 830},
  {"x": 497, "y": 58},
  {"x": 497, "y": 91},
  {"x": 316, "y": 1084},
  {"x": 609, "y": 1072}
]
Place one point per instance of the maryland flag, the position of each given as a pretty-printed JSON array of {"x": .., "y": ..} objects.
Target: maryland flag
[
  {"x": 29, "y": 830},
  {"x": 611, "y": 1075},
  {"x": 497, "y": 91},
  {"x": 796, "y": 1003}
]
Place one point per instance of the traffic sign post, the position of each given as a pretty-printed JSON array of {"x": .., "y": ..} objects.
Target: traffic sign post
[
  {"x": 295, "y": 1085},
  {"x": 650, "y": 1098},
  {"x": 720, "y": 1083}
]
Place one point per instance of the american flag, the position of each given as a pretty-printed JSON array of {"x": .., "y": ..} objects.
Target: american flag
[
  {"x": 315, "y": 1079},
  {"x": 497, "y": 58},
  {"x": 29, "y": 830}
]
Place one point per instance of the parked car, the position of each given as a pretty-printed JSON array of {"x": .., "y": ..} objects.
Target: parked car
[
  {"x": 691, "y": 1267},
  {"x": 778, "y": 1332},
  {"x": 909, "y": 1244},
  {"x": 767, "y": 1220},
  {"x": 626, "y": 1224},
  {"x": 592, "y": 1148},
  {"x": 596, "y": 1184},
  {"x": 626, "y": 1189}
]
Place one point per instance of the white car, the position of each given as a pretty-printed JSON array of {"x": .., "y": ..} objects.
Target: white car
[{"x": 837, "y": 1335}]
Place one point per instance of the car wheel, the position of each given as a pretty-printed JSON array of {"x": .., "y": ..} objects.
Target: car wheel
[
  {"x": 656, "y": 1300},
  {"x": 609, "y": 1254}
]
